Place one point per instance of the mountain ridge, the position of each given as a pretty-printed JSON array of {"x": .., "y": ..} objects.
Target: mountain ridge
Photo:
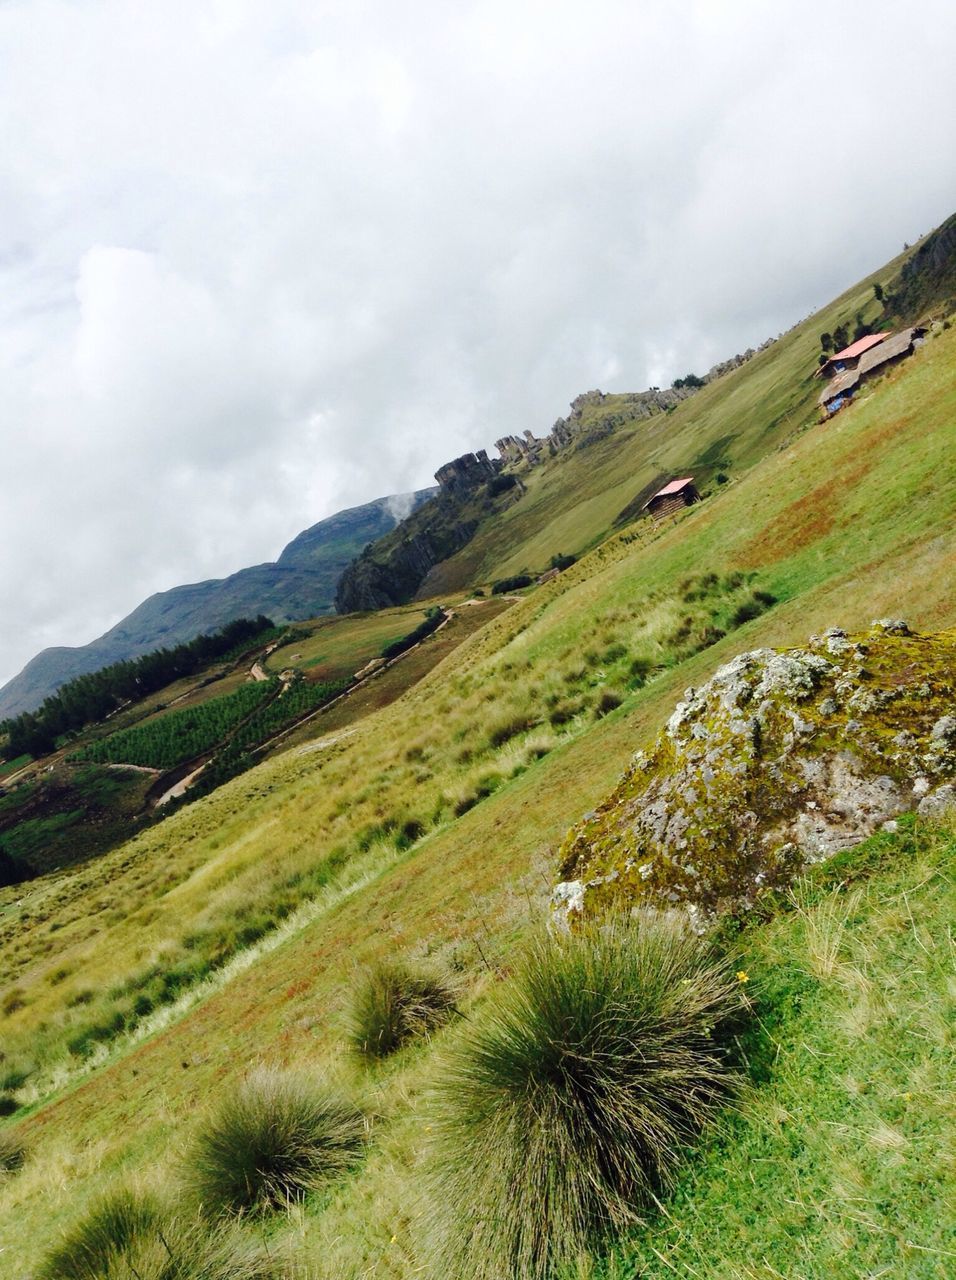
[{"x": 299, "y": 584}]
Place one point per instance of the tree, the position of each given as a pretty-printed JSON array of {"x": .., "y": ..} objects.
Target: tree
[
  {"x": 878, "y": 293},
  {"x": 826, "y": 341},
  {"x": 841, "y": 337}
]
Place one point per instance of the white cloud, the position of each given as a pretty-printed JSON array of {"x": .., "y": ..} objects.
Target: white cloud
[{"x": 262, "y": 260}]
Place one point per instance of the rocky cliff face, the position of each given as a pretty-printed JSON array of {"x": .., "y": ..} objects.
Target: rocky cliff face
[
  {"x": 391, "y": 571},
  {"x": 927, "y": 280},
  {"x": 780, "y": 760}
]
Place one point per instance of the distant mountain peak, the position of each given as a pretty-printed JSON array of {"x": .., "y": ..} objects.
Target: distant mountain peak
[{"x": 299, "y": 584}]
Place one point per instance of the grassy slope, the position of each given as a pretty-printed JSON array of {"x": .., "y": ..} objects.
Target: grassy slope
[
  {"x": 842, "y": 1163},
  {"x": 71, "y": 812},
  {"x": 573, "y": 500},
  {"x": 838, "y": 524},
  {"x": 338, "y": 647}
]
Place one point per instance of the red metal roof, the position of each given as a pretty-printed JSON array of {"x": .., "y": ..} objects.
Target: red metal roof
[
  {"x": 862, "y": 344},
  {"x": 675, "y": 486}
]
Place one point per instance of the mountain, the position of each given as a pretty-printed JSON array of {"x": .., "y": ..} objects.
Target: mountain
[
  {"x": 300, "y": 584},
  {"x": 562, "y": 493},
  {"x": 689, "y": 713}
]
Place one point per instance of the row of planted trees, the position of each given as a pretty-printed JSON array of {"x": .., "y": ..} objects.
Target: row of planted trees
[{"x": 91, "y": 697}]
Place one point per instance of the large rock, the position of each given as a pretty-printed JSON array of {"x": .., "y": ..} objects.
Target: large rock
[{"x": 780, "y": 760}]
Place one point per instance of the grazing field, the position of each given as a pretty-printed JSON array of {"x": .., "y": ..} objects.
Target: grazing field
[
  {"x": 573, "y": 500},
  {"x": 338, "y": 647},
  {"x": 230, "y": 937}
]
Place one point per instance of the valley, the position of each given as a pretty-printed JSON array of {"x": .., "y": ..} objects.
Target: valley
[{"x": 422, "y": 816}]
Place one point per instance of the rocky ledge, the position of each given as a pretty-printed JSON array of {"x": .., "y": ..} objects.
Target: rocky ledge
[{"x": 780, "y": 760}]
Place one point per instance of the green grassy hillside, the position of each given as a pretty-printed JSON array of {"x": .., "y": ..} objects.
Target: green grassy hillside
[
  {"x": 142, "y": 985},
  {"x": 300, "y": 584},
  {"x": 574, "y": 500},
  {"x": 105, "y": 781}
]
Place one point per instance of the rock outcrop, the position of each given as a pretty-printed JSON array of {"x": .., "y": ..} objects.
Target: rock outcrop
[
  {"x": 462, "y": 475},
  {"x": 782, "y": 759},
  {"x": 390, "y": 571}
]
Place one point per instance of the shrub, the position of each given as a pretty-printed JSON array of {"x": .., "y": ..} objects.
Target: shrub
[
  {"x": 638, "y": 672},
  {"x": 564, "y": 1111},
  {"x": 8, "y": 1104},
  {"x": 608, "y": 701},
  {"x": 511, "y": 584},
  {"x": 562, "y": 562},
  {"x": 432, "y": 622},
  {"x": 469, "y": 796},
  {"x": 15, "y": 1077},
  {"x": 509, "y": 727},
  {"x": 274, "y": 1140},
  {"x": 125, "y": 1235},
  {"x": 12, "y": 1153},
  {"x": 566, "y": 710},
  {"x": 394, "y": 1003},
  {"x": 757, "y": 604}
]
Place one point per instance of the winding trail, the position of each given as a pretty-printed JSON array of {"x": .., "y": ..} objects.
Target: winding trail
[{"x": 179, "y": 788}]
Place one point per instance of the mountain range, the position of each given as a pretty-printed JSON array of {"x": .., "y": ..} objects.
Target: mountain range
[{"x": 299, "y": 584}]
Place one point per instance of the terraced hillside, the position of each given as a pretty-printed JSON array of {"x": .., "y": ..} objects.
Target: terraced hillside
[
  {"x": 143, "y": 986},
  {"x": 107, "y": 779}
]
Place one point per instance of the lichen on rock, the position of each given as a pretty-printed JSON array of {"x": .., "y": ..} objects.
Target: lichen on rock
[{"x": 780, "y": 760}]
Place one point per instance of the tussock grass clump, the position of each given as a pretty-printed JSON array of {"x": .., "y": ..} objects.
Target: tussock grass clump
[
  {"x": 12, "y": 1154},
  {"x": 276, "y": 1139},
  {"x": 608, "y": 700},
  {"x": 396, "y": 1002},
  {"x": 565, "y": 1109},
  {"x": 126, "y": 1235},
  {"x": 509, "y": 726}
]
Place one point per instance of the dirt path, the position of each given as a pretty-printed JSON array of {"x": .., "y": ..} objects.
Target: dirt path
[{"x": 179, "y": 788}]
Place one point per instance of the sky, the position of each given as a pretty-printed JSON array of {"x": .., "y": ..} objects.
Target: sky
[{"x": 261, "y": 260}]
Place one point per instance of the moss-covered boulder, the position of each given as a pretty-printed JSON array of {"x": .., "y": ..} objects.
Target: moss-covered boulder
[{"x": 780, "y": 760}]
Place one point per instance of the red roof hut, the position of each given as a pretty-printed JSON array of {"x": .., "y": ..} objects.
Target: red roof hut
[
  {"x": 674, "y": 496},
  {"x": 849, "y": 357}
]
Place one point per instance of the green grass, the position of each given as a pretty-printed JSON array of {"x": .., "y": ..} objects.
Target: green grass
[
  {"x": 396, "y": 1002},
  {"x": 276, "y": 1139},
  {"x": 565, "y": 1111},
  {"x": 338, "y": 647},
  {"x": 133, "y": 1236},
  {"x": 841, "y": 1161},
  {"x": 845, "y": 522}
]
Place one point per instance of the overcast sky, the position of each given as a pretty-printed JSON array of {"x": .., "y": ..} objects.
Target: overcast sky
[{"x": 264, "y": 259}]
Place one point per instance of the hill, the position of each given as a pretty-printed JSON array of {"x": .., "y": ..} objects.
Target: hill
[
  {"x": 94, "y": 782},
  {"x": 299, "y": 584},
  {"x": 143, "y": 987},
  {"x": 597, "y": 466}
]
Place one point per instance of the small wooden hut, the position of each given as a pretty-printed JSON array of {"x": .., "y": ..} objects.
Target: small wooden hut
[{"x": 674, "y": 496}]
